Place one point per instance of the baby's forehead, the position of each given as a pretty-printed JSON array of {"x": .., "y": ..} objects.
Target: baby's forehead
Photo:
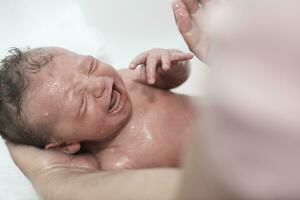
[
  {"x": 52, "y": 58},
  {"x": 61, "y": 58},
  {"x": 47, "y": 61},
  {"x": 55, "y": 51},
  {"x": 50, "y": 54},
  {"x": 39, "y": 96}
]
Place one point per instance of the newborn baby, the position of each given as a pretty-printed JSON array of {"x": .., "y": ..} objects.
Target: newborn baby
[{"x": 56, "y": 99}]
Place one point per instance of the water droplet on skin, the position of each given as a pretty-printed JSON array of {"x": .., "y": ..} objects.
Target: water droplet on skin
[
  {"x": 46, "y": 114},
  {"x": 57, "y": 88},
  {"x": 54, "y": 86},
  {"x": 147, "y": 132},
  {"x": 122, "y": 162}
]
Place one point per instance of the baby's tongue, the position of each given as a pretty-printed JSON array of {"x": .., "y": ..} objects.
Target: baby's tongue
[{"x": 113, "y": 99}]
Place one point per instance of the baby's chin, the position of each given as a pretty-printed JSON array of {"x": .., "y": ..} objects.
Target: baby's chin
[
  {"x": 119, "y": 122},
  {"x": 126, "y": 115}
]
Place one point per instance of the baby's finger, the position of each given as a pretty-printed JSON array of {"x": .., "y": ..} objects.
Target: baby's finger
[
  {"x": 166, "y": 61},
  {"x": 179, "y": 56},
  {"x": 151, "y": 64},
  {"x": 140, "y": 59},
  {"x": 143, "y": 74}
]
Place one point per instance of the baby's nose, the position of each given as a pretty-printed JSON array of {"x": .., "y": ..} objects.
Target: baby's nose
[{"x": 97, "y": 87}]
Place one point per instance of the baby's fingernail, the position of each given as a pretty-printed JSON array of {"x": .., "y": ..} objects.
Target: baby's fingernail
[
  {"x": 189, "y": 55},
  {"x": 151, "y": 81}
]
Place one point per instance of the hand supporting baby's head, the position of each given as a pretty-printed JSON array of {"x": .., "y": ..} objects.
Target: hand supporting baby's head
[{"x": 55, "y": 98}]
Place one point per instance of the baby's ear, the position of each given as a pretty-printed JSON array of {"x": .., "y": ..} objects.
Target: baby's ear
[{"x": 68, "y": 148}]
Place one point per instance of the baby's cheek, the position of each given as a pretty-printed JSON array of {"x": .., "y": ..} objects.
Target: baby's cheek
[{"x": 97, "y": 125}]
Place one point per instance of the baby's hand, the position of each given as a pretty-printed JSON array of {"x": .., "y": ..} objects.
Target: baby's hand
[{"x": 157, "y": 60}]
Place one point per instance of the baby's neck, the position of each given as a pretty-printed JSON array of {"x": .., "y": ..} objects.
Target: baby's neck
[{"x": 95, "y": 147}]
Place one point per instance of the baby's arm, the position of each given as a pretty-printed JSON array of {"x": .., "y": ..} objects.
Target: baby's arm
[{"x": 162, "y": 68}]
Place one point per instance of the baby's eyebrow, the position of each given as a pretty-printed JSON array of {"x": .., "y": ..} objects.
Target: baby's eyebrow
[
  {"x": 50, "y": 73},
  {"x": 92, "y": 65},
  {"x": 87, "y": 63}
]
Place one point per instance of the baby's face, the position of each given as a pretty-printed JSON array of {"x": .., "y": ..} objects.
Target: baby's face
[{"x": 81, "y": 97}]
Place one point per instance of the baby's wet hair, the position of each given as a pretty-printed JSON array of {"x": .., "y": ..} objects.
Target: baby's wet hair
[{"x": 14, "y": 71}]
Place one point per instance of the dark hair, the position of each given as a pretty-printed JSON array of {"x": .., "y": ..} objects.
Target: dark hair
[{"x": 14, "y": 71}]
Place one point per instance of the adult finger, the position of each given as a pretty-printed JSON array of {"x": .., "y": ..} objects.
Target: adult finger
[
  {"x": 25, "y": 157},
  {"x": 192, "y": 5},
  {"x": 185, "y": 25},
  {"x": 182, "y": 16},
  {"x": 33, "y": 161}
]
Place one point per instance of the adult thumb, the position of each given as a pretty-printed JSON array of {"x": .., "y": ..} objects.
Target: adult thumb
[{"x": 25, "y": 157}]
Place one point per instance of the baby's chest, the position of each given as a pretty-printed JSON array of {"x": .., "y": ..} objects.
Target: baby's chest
[
  {"x": 152, "y": 136},
  {"x": 161, "y": 114},
  {"x": 155, "y": 133}
]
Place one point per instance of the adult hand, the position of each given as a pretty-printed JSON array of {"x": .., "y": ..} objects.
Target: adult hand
[
  {"x": 41, "y": 165},
  {"x": 58, "y": 176},
  {"x": 190, "y": 18}
]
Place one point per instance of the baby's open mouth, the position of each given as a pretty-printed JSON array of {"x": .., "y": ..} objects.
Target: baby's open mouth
[{"x": 114, "y": 99}]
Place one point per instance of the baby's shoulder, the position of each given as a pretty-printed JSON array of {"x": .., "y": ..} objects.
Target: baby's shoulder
[
  {"x": 125, "y": 74},
  {"x": 129, "y": 79},
  {"x": 136, "y": 88}
]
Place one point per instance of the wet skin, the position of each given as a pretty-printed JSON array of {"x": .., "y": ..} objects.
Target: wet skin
[
  {"x": 120, "y": 119},
  {"x": 157, "y": 130}
]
